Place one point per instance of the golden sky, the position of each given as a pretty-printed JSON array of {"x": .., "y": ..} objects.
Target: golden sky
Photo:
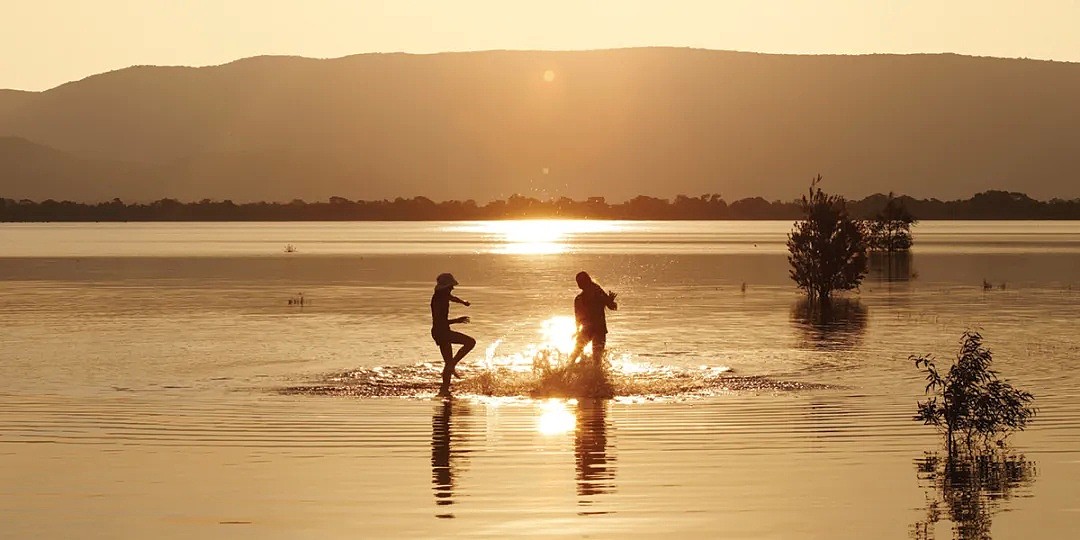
[{"x": 44, "y": 43}]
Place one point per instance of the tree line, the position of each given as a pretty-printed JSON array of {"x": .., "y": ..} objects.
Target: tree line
[{"x": 985, "y": 205}]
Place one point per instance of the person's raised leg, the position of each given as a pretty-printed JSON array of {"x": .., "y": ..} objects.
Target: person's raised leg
[
  {"x": 467, "y": 344},
  {"x": 466, "y": 348}
]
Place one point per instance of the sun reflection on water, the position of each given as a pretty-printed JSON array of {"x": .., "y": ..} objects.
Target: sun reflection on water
[
  {"x": 555, "y": 417},
  {"x": 557, "y": 337},
  {"x": 539, "y": 367},
  {"x": 558, "y": 333},
  {"x": 535, "y": 236}
]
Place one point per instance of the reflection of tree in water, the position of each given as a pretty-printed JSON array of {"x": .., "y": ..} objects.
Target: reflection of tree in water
[
  {"x": 890, "y": 267},
  {"x": 968, "y": 489},
  {"x": 595, "y": 468},
  {"x": 443, "y": 457},
  {"x": 837, "y": 324}
]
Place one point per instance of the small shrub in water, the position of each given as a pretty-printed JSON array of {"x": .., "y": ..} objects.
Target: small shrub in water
[
  {"x": 970, "y": 403},
  {"x": 890, "y": 230},
  {"x": 827, "y": 249}
]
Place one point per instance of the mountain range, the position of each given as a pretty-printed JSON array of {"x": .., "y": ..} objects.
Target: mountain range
[{"x": 614, "y": 123}]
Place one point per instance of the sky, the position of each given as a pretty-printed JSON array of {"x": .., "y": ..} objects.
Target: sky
[{"x": 45, "y": 43}]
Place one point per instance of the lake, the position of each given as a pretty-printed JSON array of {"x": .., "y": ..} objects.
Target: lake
[{"x": 165, "y": 380}]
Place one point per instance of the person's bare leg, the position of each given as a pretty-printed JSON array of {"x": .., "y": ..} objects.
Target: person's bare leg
[
  {"x": 579, "y": 348},
  {"x": 448, "y": 362},
  {"x": 598, "y": 345},
  {"x": 467, "y": 344}
]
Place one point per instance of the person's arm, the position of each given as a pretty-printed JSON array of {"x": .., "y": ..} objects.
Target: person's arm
[
  {"x": 611, "y": 301},
  {"x": 459, "y": 320},
  {"x": 458, "y": 300}
]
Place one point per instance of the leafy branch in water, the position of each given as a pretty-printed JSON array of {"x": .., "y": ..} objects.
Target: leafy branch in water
[{"x": 970, "y": 403}]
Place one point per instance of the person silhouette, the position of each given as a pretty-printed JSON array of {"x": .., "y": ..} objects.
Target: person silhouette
[
  {"x": 589, "y": 311},
  {"x": 444, "y": 337}
]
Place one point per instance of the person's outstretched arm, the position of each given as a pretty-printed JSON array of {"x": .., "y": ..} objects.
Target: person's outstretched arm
[
  {"x": 459, "y": 320},
  {"x": 611, "y": 301},
  {"x": 458, "y": 300}
]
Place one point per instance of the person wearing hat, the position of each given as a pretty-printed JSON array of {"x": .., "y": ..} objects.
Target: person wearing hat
[
  {"x": 589, "y": 311},
  {"x": 444, "y": 337}
]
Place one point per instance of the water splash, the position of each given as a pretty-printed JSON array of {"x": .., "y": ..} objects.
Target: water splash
[
  {"x": 622, "y": 379},
  {"x": 543, "y": 370}
]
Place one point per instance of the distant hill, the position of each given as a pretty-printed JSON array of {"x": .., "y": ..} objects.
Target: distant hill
[
  {"x": 33, "y": 171},
  {"x": 11, "y": 100},
  {"x": 616, "y": 123}
]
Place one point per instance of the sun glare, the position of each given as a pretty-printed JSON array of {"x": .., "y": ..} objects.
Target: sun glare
[
  {"x": 555, "y": 417},
  {"x": 536, "y": 236},
  {"x": 558, "y": 333},
  {"x": 532, "y": 232},
  {"x": 549, "y": 76}
]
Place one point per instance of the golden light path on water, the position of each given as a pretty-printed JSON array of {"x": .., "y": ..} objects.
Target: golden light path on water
[
  {"x": 535, "y": 236},
  {"x": 555, "y": 417}
]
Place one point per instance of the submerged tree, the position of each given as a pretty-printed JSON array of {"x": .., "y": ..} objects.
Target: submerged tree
[
  {"x": 827, "y": 249},
  {"x": 970, "y": 404},
  {"x": 890, "y": 230}
]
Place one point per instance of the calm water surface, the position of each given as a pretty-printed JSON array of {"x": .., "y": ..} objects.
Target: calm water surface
[{"x": 145, "y": 373}]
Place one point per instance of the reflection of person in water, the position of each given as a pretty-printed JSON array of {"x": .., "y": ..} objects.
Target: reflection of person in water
[
  {"x": 589, "y": 310},
  {"x": 595, "y": 468},
  {"x": 444, "y": 337},
  {"x": 442, "y": 456}
]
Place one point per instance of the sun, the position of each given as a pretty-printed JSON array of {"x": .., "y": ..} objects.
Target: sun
[{"x": 549, "y": 76}]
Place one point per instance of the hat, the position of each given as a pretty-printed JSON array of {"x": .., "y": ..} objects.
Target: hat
[{"x": 445, "y": 281}]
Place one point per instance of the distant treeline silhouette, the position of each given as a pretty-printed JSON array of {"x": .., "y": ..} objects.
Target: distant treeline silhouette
[{"x": 986, "y": 205}]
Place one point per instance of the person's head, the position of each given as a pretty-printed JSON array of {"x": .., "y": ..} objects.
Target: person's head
[
  {"x": 583, "y": 280},
  {"x": 445, "y": 282}
]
